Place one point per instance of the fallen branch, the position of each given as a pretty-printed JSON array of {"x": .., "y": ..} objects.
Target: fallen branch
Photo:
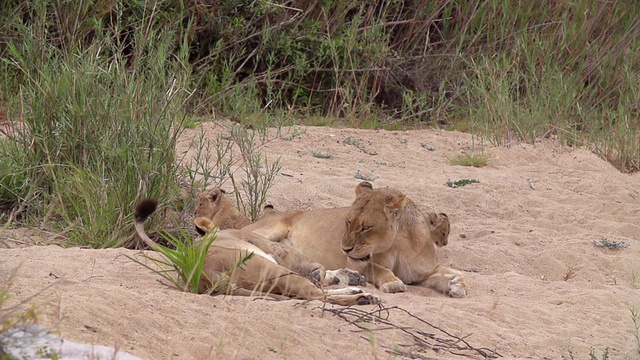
[{"x": 437, "y": 339}]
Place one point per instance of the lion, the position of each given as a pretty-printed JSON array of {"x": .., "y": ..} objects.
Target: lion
[
  {"x": 383, "y": 235},
  {"x": 217, "y": 207},
  {"x": 270, "y": 272}
]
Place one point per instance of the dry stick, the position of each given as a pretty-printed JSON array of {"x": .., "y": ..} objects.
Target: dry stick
[{"x": 451, "y": 343}]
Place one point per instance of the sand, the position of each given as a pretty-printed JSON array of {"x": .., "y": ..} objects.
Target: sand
[{"x": 524, "y": 236}]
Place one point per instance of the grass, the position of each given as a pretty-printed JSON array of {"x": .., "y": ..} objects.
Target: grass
[
  {"x": 97, "y": 97},
  {"x": 461, "y": 182},
  {"x": 370, "y": 176},
  {"x": 470, "y": 159},
  {"x": 182, "y": 262},
  {"x": 357, "y": 143},
  {"x": 321, "y": 155},
  {"x": 428, "y": 147},
  {"x": 505, "y": 71},
  {"x": 636, "y": 327},
  {"x": 93, "y": 136},
  {"x": 23, "y": 312},
  {"x": 610, "y": 244}
]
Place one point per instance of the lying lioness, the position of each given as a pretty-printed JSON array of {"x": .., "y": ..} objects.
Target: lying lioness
[
  {"x": 383, "y": 235},
  {"x": 264, "y": 273}
]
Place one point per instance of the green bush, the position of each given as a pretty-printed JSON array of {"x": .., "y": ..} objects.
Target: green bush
[
  {"x": 95, "y": 135},
  {"x": 98, "y": 92}
]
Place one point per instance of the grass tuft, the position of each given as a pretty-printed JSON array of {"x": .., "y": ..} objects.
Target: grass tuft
[
  {"x": 471, "y": 159},
  {"x": 461, "y": 182},
  {"x": 610, "y": 244},
  {"x": 321, "y": 155}
]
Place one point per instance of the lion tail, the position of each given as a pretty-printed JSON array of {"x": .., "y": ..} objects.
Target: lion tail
[{"x": 143, "y": 210}]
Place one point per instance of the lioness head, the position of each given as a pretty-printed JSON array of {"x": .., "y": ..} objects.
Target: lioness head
[{"x": 372, "y": 221}]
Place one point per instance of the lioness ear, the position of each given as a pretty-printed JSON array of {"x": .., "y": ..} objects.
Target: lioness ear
[
  {"x": 394, "y": 204},
  {"x": 363, "y": 187}
]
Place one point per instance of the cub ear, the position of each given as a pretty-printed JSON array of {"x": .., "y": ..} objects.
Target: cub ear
[
  {"x": 363, "y": 187},
  {"x": 203, "y": 225},
  {"x": 394, "y": 205},
  {"x": 215, "y": 194}
]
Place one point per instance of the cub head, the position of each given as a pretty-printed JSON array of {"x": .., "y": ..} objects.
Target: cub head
[
  {"x": 372, "y": 221},
  {"x": 211, "y": 203},
  {"x": 440, "y": 228}
]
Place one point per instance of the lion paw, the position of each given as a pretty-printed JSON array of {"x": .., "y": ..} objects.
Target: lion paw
[
  {"x": 458, "y": 287},
  {"x": 393, "y": 287},
  {"x": 315, "y": 276},
  {"x": 369, "y": 299},
  {"x": 345, "y": 277}
]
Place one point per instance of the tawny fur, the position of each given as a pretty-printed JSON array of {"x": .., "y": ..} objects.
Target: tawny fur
[
  {"x": 262, "y": 274},
  {"x": 383, "y": 235}
]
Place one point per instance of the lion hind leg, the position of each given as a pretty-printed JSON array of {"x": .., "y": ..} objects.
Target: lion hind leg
[{"x": 448, "y": 281}]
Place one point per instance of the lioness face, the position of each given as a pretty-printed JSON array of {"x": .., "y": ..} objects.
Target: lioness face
[{"x": 372, "y": 221}]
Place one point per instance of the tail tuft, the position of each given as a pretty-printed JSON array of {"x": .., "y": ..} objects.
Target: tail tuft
[{"x": 145, "y": 208}]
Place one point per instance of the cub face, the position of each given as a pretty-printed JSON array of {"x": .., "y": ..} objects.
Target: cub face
[
  {"x": 440, "y": 228},
  {"x": 209, "y": 203},
  {"x": 372, "y": 221}
]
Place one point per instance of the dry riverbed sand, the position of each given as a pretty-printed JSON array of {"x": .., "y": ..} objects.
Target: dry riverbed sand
[{"x": 525, "y": 235}]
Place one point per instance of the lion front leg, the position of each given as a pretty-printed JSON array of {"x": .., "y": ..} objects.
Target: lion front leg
[
  {"x": 448, "y": 281},
  {"x": 383, "y": 278}
]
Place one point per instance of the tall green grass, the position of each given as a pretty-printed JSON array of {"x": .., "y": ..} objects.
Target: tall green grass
[
  {"x": 99, "y": 92},
  {"x": 95, "y": 135},
  {"x": 571, "y": 73}
]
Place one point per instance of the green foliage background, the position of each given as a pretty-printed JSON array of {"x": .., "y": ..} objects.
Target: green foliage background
[{"x": 95, "y": 84}]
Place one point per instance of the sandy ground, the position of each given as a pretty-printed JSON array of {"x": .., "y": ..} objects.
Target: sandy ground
[{"x": 524, "y": 236}]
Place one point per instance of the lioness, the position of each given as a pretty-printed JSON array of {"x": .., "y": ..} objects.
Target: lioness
[
  {"x": 264, "y": 274},
  {"x": 383, "y": 235}
]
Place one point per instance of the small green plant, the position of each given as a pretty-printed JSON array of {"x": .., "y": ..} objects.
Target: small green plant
[
  {"x": 366, "y": 177},
  {"x": 295, "y": 133},
  {"x": 470, "y": 159},
  {"x": 357, "y": 143},
  {"x": 235, "y": 156},
  {"x": 191, "y": 123},
  {"x": 461, "y": 182},
  {"x": 635, "y": 317},
  {"x": 593, "y": 356},
  {"x": 321, "y": 155},
  {"x": 259, "y": 173},
  {"x": 182, "y": 262},
  {"x": 184, "y": 259},
  {"x": 15, "y": 314},
  {"x": 428, "y": 147},
  {"x": 610, "y": 244}
]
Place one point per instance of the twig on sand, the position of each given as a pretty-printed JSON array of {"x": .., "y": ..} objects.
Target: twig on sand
[{"x": 440, "y": 340}]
